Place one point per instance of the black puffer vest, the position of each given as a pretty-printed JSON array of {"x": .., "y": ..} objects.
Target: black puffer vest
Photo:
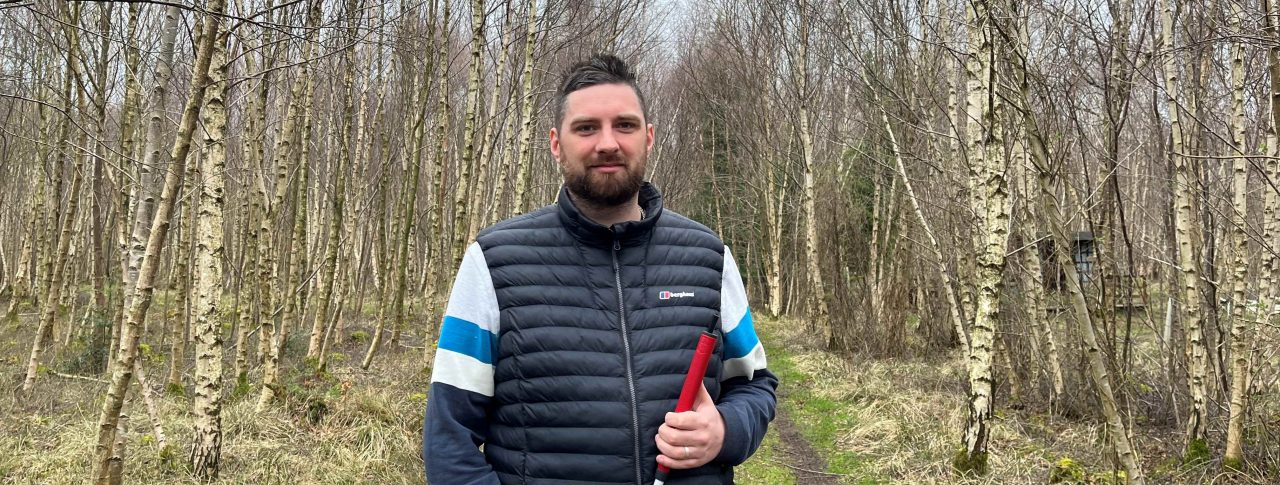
[{"x": 591, "y": 351}]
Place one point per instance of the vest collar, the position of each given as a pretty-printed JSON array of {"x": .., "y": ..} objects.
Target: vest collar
[{"x": 628, "y": 233}]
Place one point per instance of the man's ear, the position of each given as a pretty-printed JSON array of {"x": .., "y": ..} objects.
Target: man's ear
[
  {"x": 555, "y": 144},
  {"x": 648, "y": 143}
]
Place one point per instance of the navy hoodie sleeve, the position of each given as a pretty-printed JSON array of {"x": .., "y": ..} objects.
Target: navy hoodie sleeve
[
  {"x": 457, "y": 417},
  {"x": 747, "y": 390}
]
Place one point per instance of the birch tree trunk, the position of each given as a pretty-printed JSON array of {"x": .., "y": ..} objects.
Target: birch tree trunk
[
  {"x": 435, "y": 217},
  {"x": 17, "y": 286},
  {"x": 48, "y": 242},
  {"x": 874, "y": 249},
  {"x": 301, "y": 93},
  {"x": 319, "y": 323},
  {"x": 1033, "y": 278},
  {"x": 1033, "y": 266},
  {"x": 1205, "y": 224},
  {"x": 22, "y": 278},
  {"x": 245, "y": 308},
  {"x": 774, "y": 196},
  {"x": 128, "y": 137},
  {"x": 257, "y": 248},
  {"x": 4, "y": 273},
  {"x": 128, "y": 140},
  {"x": 153, "y": 157},
  {"x": 123, "y": 370},
  {"x": 486, "y": 145},
  {"x": 819, "y": 313},
  {"x": 989, "y": 200},
  {"x": 57, "y": 258},
  {"x": 100, "y": 306},
  {"x": 417, "y": 128},
  {"x": 295, "y": 289},
  {"x": 1055, "y": 220},
  {"x": 524, "y": 161},
  {"x": 1270, "y": 265},
  {"x": 181, "y": 272},
  {"x": 461, "y": 231},
  {"x": 1185, "y": 228},
  {"x": 1241, "y": 312},
  {"x": 206, "y": 407}
]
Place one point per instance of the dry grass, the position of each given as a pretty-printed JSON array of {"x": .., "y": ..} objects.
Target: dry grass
[
  {"x": 873, "y": 420},
  {"x": 900, "y": 422},
  {"x": 370, "y": 431}
]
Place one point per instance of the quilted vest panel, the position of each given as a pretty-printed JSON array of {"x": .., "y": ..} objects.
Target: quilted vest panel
[{"x": 597, "y": 328}]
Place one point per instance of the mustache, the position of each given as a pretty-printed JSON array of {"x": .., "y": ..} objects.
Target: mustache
[{"x": 609, "y": 160}]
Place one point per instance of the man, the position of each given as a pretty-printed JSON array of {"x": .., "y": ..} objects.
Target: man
[{"x": 569, "y": 329}]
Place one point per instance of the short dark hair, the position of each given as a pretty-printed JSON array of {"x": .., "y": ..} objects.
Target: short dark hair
[{"x": 599, "y": 69}]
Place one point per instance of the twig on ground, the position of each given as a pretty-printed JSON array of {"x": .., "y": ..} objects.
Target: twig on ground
[
  {"x": 806, "y": 470},
  {"x": 83, "y": 378}
]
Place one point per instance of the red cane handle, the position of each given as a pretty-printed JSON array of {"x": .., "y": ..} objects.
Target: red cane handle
[
  {"x": 692, "y": 383},
  {"x": 697, "y": 369}
]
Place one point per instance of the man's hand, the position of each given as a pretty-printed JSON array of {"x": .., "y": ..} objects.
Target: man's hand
[{"x": 692, "y": 438}]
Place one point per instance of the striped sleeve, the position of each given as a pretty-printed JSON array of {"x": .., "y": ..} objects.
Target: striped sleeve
[
  {"x": 748, "y": 395},
  {"x": 469, "y": 333},
  {"x": 743, "y": 353},
  {"x": 456, "y": 422}
]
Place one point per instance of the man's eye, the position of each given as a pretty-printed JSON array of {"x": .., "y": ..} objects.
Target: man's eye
[
  {"x": 584, "y": 129},
  {"x": 626, "y": 125}
]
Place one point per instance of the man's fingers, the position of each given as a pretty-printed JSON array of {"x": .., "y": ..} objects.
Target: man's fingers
[
  {"x": 685, "y": 438},
  {"x": 688, "y": 420},
  {"x": 675, "y": 457},
  {"x": 666, "y": 448},
  {"x": 678, "y": 437},
  {"x": 675, "y": 464}
]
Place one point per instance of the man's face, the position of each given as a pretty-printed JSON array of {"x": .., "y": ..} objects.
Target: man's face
[{"x": 602, "y": 144}]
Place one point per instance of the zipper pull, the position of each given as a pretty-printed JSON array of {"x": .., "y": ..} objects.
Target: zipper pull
[{"x": 617, "y": 245}]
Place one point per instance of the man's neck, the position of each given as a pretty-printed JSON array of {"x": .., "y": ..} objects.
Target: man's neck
[{"x": 607, "y": 216}]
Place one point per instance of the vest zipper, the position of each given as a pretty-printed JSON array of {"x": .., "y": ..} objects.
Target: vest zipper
[{"x": 626, "y": 350}]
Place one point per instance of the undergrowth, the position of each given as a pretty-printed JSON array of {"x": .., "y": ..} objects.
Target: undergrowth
[
  {"x": 346, "y": 427},
  {"x": 871, "y": 420},
  {"x": 899, "y": 421}
]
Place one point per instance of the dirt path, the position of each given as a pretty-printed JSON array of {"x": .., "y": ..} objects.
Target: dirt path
[{"x": 797, "y": 454}]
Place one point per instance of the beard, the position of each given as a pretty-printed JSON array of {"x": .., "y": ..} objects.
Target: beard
[{"x": 606, "y": 189}]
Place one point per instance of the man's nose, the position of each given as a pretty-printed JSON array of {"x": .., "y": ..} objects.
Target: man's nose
[{"x": 607, "y": 142}]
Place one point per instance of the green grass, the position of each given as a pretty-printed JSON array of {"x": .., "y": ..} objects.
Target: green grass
[
  {"x": 821, "y": 420},
  {"x": 898, "y": 420},
  {"x": 764, "y": 466}
]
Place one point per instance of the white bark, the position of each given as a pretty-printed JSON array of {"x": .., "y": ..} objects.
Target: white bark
[
  {"x": 206, "y": 406},
  {"x": 988, "y": 200},
  {"x": 819, "y": 311},
  {"x": 462, "y": 233},
  {"x": 153, "y": 155},
  {"x": 1188, "y": 253},
  {"x": 123, "y": 370},
  {"x": 59, "y": 257},
  {"x": 524, "y": 161},
  {"x": 301, "y": 93}
]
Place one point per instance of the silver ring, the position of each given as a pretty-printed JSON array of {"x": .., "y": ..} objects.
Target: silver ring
[{"x": 686, "y": 453}]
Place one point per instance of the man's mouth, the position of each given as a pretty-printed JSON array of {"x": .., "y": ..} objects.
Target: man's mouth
[{"x": 609, "y": 167}]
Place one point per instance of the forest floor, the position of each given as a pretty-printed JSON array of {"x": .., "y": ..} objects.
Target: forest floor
[{"x": 839, "y": 420}]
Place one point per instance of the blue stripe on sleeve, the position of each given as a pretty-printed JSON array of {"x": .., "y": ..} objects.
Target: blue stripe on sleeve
[
  {"x": 467, "y": 338},
  {"x": 739, "y": 341}
]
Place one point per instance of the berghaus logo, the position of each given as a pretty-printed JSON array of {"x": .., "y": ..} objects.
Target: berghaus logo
[{"x": 667, "y": 295}]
